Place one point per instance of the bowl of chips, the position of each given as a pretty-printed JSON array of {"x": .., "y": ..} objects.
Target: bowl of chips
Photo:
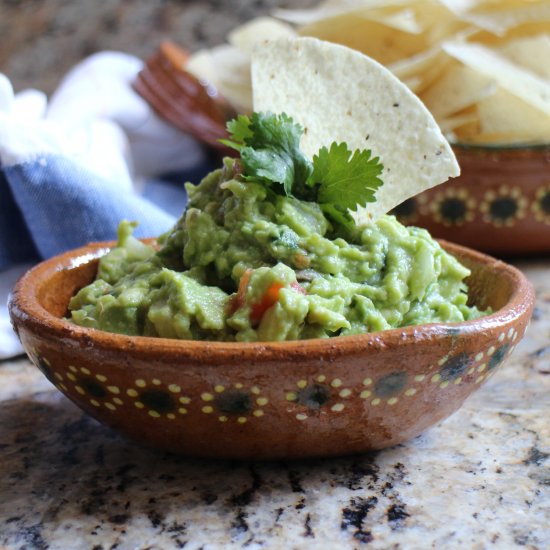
[
  {"x": 481, "y": 67},
  {"x": 500, "y": 203}
]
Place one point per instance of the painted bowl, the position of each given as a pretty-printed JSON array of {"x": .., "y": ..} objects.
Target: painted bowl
[
  {"x": 499, "y": 204},
  {"x": 319, "y": 397}
]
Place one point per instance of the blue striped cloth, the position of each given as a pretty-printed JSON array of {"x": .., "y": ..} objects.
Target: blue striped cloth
[
  {"x": 50, "y": 205},
  {"x": 73, "y": 167}
]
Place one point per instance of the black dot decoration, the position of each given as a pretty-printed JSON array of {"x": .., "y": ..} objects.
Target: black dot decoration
[
  {"x": 233, "y": 402},
  {"x": 158, "y": 400},
  {"x": 453, "y": 210},
  {"x": 455, "y": 366},
  {"x": 503, "y": 208},
  {"x": 44, "y": 368},
  {"x": 497, "y": 357},
  {"x": 314, "y": 396},
  {"x": 545, "y": 203},
  {"x": 391, "y": 384},
  {"x": 92, "y": 388},
  {"x": 405, "y": 209}
]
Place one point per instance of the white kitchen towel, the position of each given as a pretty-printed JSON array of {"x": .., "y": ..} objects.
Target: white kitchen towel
[{"x": 73, "y": 167}]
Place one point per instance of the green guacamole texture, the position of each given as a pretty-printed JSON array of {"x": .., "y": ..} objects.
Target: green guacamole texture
[{"x": 244, "y": 264}]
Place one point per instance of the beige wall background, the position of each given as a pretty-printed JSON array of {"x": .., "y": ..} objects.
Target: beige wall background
[{"x": 41, "y": 40}]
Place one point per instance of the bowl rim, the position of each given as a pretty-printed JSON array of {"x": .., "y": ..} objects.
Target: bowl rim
[
  {"x": 501, "y": 147},
  {"x": 25, "y": 310}
]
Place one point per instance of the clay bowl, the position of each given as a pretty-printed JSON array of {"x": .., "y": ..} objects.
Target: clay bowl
[
  {"x": 269, "y": 400},
  {"x": 499, "y": 204}
]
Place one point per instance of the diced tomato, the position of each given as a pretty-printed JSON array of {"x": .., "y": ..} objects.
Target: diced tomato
[{"x": 270, "y": 298}]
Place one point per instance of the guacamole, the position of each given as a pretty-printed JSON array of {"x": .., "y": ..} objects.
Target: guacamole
[{"x": 246, "y": 264}]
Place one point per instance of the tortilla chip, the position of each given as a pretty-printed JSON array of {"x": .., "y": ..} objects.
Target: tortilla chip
[
  {"x": 333, "y": 8},
  {"x": 499, "y": 21},
  {"x": 247, "y": 35},
  {"x": 338, "y": 94},
  {"x": 457, "y": 121},
  {"x": 459, "y": 88},
  {"x": 505, "y": 114},
  {"x": 511, "y": 77},
  {"x": 532, "y": 53},
  {"x": 373, "y": 38},
  {"x": 227, "y": 69}
]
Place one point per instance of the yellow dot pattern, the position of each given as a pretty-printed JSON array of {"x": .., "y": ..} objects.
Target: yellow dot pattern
[{"x": 113, "y": 400}]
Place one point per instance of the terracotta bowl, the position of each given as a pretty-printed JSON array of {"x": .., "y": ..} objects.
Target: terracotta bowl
[
  {"x": 499, "y": 204},
  {"x": 319, "y": 397}
]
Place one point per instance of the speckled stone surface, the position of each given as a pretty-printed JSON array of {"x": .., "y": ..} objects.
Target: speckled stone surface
[
  {"x": 42, "y": 39},
  {"x": 479, "y": 480}
]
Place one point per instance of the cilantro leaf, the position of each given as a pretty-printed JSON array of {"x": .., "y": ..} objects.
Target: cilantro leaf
[
  {"x": 337, "y": 179},
  {"x": 270, "y": 149},
  {"x": 345, "y": 180},
  {"x": 239, "y": 130}
]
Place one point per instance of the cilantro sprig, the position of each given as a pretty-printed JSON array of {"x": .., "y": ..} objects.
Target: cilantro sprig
[{"x": 337, "y": 179}]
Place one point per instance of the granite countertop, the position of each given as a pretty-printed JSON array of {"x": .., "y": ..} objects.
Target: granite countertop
[
  {"x": 42, "y": 40},
  {"x": 481, "y": 479}
]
